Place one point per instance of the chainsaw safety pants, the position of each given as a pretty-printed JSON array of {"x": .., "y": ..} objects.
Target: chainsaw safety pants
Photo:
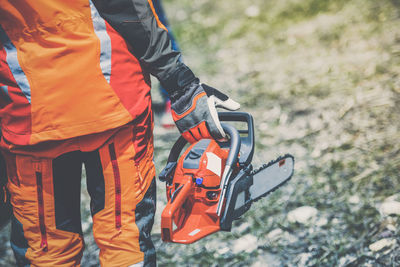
[{"x": 45, "y": 195}]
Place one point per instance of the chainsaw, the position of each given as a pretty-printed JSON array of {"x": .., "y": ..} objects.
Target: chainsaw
[{"x": 213, "y": 183}]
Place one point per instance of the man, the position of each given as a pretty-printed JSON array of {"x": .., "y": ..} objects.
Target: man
[{"x": 75, "y": 89}]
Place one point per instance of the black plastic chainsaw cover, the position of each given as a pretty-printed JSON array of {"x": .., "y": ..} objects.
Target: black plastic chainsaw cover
[{"x": 238, "y": 192}]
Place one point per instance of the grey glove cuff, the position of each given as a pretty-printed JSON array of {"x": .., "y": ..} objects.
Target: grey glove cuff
[
  {"x": 179, "y": 81},
  {"x": 195, "y": 99},
  {"x": 181, "y": 100}
]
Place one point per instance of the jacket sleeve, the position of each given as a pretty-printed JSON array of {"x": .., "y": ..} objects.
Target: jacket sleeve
[{"x": 138, "y": 24}]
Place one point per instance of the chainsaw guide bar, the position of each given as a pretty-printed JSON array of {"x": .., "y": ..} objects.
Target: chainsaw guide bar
[{"x": 279, "y": 160}]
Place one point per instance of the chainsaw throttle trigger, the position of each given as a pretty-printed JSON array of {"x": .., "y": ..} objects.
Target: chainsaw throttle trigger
[{"x": 167, "y": 173}]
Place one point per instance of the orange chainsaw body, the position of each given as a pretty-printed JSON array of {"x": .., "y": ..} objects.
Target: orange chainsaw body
[{"x": 193, "y": 194}]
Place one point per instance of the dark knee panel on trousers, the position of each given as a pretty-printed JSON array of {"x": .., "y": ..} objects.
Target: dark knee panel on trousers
[
  {"x": 95, "y": 181},
  {"x": 144, "y": 215},
  {"x": 67, "y": 171}
]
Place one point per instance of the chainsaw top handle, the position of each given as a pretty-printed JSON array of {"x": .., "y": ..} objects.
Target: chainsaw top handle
[
  {"x": 246, "y": 137},
  {"x": 234, "y": 145},
  {"x": 239, "y": 141}
]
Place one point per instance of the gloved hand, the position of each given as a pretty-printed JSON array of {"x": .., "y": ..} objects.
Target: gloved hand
[{"x": 195, "y": 114}]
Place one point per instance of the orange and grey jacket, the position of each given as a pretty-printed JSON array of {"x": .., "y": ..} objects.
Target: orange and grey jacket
[{"x": 73, "y": 68}]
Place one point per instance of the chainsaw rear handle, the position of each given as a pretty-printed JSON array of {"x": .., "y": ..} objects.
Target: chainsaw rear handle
[{"x": 172, "y": 207}]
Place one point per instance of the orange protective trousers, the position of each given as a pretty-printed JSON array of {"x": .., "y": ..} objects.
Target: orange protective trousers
[{"x": 45, "y": 194}]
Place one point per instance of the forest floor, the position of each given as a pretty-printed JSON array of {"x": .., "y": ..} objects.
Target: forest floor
[{"x": 322, "y": 80}]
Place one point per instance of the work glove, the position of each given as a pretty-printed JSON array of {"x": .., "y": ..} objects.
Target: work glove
[{"x": 195, "y": 114}]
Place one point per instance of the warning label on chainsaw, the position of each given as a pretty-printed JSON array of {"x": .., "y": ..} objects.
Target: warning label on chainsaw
[{"x": 213, "y": 163}]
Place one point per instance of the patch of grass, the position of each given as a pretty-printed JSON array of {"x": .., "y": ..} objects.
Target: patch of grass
[{"x": 320, "y": 77}]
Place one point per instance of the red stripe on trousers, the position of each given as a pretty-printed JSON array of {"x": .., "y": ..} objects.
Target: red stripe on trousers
[
  {"x": 117, "y": 183},
  {"x": 42, "y": 224}
]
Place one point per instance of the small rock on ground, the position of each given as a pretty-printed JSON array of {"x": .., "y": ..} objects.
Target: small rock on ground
[
  {"x": 245, "y": 243},
  {"x": 302, "y": 215},
  {"x": 390, "y": 208},
  {"x": 381, "y": 244}
]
